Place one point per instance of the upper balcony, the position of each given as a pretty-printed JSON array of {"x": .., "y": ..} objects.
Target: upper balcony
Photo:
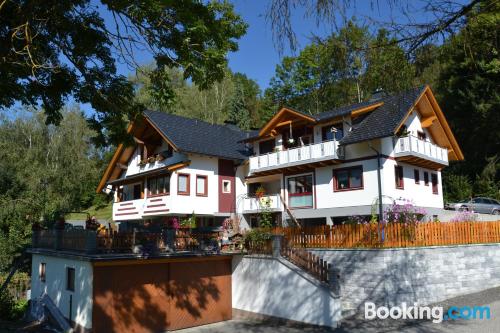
[
  {"x": 141, "y": 208},
  {"x": 323, "y": 153},
  {"x": 413, "y": 150}
]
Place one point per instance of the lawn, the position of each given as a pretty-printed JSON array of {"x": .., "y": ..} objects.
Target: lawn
[{"x": 102, "y": 213}]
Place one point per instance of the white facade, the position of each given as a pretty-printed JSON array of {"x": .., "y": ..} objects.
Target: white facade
[
  {"x": 55, "y": 286},
  {"x": 321, "y": 161}
]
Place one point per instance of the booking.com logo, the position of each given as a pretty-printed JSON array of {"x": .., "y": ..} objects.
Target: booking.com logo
[{"x": 436, "y": 313}]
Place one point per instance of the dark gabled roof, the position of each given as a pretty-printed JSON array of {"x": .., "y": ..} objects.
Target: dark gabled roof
[
  {"x": 384, "y": 120},
  {"x": 343, "y": 110},
  {"x": 196, "y": 136}
]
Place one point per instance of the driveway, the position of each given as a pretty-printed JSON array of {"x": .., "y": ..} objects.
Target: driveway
[{"x": 357, "y": 323}]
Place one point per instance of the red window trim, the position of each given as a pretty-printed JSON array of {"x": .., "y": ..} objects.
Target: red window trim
[
  {"x": 335, "y": 187},
  {"x": 187, "y": 184},
  {"x": 435, "y": 186},
  {"x": 426, "y": 178},
  {"x": 416, "y": 175},
  {"x": 205, "y": 190},
  {"x": 399, "y": 179}
]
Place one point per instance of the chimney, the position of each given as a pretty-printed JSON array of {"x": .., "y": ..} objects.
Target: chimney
[{"x": 377, "y": 94}]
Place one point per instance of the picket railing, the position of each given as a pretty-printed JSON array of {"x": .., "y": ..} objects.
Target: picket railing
[
  {"x": 392, "y": 235},
  {"x": 311, "y": 263}
]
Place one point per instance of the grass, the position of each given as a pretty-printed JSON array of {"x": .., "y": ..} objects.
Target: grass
[{"x": 103, "y": 213}]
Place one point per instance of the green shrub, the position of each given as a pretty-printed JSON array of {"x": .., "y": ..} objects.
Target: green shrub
[
  {"x": 19, "y": 309},
  {"x": 6, "y": 305}
]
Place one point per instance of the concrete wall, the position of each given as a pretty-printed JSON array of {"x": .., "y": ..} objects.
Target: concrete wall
[
  {"x": 55, "y": 286},
  {"x": 276, "y": 288},
  {"x": 423, "y": 275}
]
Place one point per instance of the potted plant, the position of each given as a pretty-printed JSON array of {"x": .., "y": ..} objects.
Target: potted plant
[
  {"x": 151, "y": 159},
  {"x": 159, "y": 157}
]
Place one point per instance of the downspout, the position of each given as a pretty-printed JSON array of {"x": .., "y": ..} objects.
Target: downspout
[{"x": 379, "y": 180}]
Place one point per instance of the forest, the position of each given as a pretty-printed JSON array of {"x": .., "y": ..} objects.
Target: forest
[{"x": 53, "y": 154}]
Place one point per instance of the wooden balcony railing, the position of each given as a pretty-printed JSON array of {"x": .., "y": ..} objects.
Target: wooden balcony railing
[
  {"x": 309, "y": 262},
  {"x": 92, "y": 242}
]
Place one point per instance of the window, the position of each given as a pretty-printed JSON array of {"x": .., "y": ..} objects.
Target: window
[
  {"x": 159, "y": 185},
  {"x": 300, "y": 191},
  {"x": 426, "y": 178},
  {"x": 348, "y": 178},
  {"x": 434, "y": 179},
  {"x": 266, "y": 147},
  {"x": 183, "y": 184},
  {"x": 130, "y": 192},
  {"x": 226, "y": 186},
  {"x": 41, "y": 271},
  {"x": 331, "y": 131},
  {"x": 70, "y": 279},
  {"x": 421, "y": 135},
  {"x": 201, "y": 186},
  {"x": 416, "y": 175},
  {"x": 398, "y": 174}
]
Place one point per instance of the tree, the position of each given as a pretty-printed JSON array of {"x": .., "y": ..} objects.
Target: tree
[
  {"x": 342, "y": 69},
  {"x": 53, "y": 50},
  {"x": 414, "y": 23},
  {"x": 45, "y": 171},
  {"x": 468, "y": 88},
  {"x": 235, "y": 97}
]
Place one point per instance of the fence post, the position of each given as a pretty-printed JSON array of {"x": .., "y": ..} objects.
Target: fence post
[
  {"x": 90, "y": 241},
  {"x": 277, "y": 240}
]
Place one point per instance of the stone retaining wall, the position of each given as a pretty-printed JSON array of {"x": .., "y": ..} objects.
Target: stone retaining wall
[{"x": 423, "y": 275}]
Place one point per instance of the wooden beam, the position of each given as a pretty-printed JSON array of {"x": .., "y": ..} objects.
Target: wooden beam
[
  {"x": 427, "y": 122},
  {"x": 365, "y": 109},
  {"x": 122, "y": 166}
]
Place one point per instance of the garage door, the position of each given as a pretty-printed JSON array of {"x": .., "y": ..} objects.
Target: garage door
[{"x": 160, "y": 294}]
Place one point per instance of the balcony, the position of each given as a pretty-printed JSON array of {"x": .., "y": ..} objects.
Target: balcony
[
  {"x": 323, "y": 153},
  {"x": 413, "y": 150},
  {"x": 254, "y": 204},
  {"x": 141, "y": 208}
]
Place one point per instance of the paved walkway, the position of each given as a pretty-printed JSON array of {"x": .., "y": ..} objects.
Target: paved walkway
[{"x": 357, "y": 324}]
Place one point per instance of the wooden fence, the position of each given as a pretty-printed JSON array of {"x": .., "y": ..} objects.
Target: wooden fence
[
  {"x": 307, "y": 261},
  {"x": 392, "y": 235}
]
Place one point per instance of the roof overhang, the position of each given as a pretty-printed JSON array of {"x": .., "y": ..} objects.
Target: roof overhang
[
  {"x": 433, "y": 119},
  {"x": 124, "y": 152},
  {"x": 284, "y": 117},
  {"x": 156, "y": 172}
]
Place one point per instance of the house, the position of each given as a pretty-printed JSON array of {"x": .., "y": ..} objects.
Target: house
[
  {"x": 298, "y": 168},
  {"x": 314, "y": 169}
]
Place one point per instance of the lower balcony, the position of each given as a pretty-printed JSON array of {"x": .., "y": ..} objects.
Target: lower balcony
[
  {"x": 413, "y": 150},
  {"x": 141, "y": 208},
  {"x": 257, "y": 204}
]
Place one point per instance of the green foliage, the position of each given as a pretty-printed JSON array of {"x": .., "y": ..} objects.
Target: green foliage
[
  {"x": 257, "y": 236},
  {"x": 468, "y": 88},
  {"x": 236, "y": 98},
  {"x": 456, "y": 187},
  {"x": 45, "y": 171},
  {"x": 265, "y": 216},
  {"x": 342, "y": 69},
  {"x": 53, "y": 50},
  {"x": 6, "y": 305},
  {"x": 189, "y": 222},
  {"x": 11, "y": 310}
]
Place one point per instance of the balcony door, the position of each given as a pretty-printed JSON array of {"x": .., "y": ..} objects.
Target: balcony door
[{"x": 300, "y": 191}]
